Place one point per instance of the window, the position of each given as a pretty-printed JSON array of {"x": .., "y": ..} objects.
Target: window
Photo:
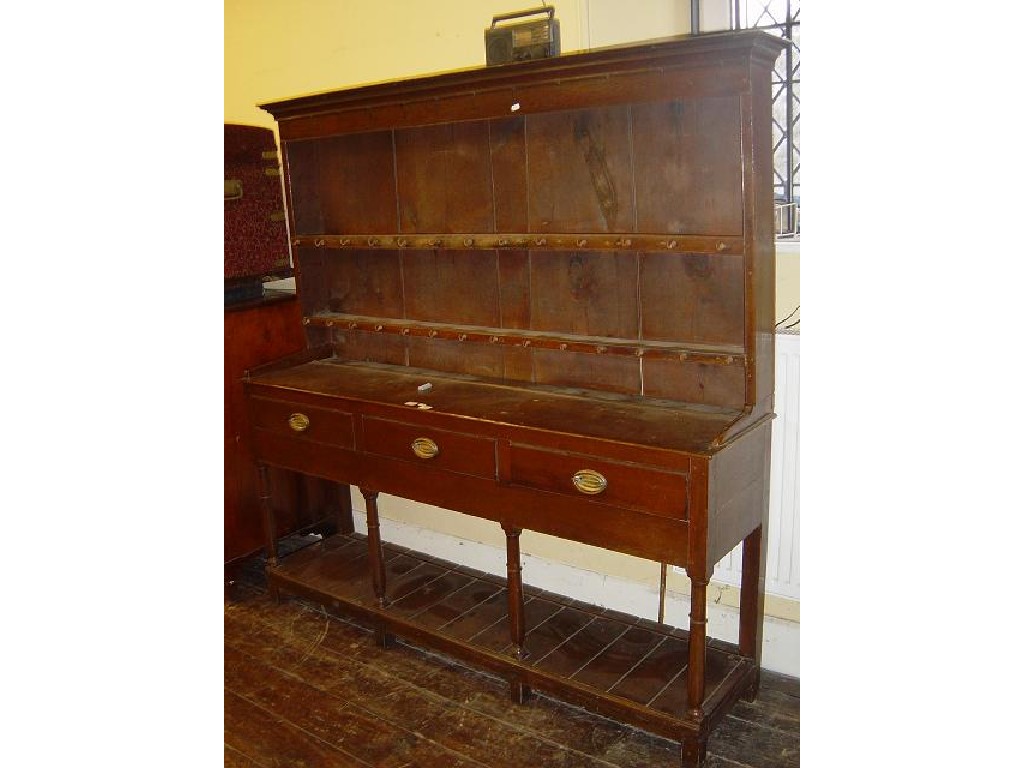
[{"x": 781, "y": 17}]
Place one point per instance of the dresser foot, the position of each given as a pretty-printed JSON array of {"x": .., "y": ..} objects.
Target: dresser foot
[
  {"x": 693, "y": 753},
  {"x": 750, "y": 694},
  {"x": 382, "y": 637},
  {"x": 520, "y": 691}
]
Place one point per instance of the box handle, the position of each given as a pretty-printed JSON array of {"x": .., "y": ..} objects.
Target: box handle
[{"x": 549, "y": 10}]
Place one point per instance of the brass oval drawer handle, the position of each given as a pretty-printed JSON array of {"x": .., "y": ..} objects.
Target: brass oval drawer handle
[
  {"x": 425, "y": 448},
  {"x": 299, "y": 422},
  {"x": 590, "y": 482}
]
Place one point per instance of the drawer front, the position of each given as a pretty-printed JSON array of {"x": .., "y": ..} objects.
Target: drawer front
[
  {"x": 318, "y": 425},
  {"x": 329, "y": 462},
  {"x": 450, "y": 451},
  {"x": 629, "y": 486}
]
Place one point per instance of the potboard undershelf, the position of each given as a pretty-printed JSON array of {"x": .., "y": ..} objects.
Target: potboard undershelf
[{"x": 623, "y": 666}]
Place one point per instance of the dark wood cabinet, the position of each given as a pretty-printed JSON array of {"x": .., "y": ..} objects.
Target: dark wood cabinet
[
  {"x": 541, "y": 294},
  {"x": 257, "y": 332}
]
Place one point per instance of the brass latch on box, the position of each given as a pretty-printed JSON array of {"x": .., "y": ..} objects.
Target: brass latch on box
[{"x": 232, "y": 189}]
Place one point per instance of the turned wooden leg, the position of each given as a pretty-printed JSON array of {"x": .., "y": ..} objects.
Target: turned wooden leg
[
  {"x": 698, "y": 640},
  {"x": 516, "y": 608},
  {"x": 269, "y": 528},
  {"x": 269, "y": 522},
  {"x": 752, "y": 603},
  {"x": 376, "y": 555}
]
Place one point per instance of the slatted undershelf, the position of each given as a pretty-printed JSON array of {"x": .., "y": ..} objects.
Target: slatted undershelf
[{"x": 622, "y": 666}]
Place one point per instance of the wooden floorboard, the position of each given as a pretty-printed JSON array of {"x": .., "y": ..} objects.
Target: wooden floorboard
[{"x": 304, "y": 688}]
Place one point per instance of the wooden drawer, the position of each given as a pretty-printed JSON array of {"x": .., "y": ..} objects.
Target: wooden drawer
[
  {"x": 318, "y": 425},
  {"x": 435, "y": 448},
  {"x": 630, "y": 486}
]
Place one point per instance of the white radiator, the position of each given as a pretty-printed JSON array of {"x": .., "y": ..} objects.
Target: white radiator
[{"x": 783, "y": 576}]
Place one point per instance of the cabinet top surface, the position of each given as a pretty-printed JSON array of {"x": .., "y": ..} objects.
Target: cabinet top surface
[
  {"x": 645, "y": 55},
  {"x": 491, "y": 406}
]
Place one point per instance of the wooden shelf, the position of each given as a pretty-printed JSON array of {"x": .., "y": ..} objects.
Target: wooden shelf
[
  {"x": 731, "y": 354},
  {"x": 590, "y": 241},
  {"x": 622, "y": 666}
]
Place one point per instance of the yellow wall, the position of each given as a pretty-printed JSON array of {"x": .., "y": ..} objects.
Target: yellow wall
[
  {"x": 787, "y": 279},
  {"x": 280, "y": 48},
  {"x": 276, "y": 49}
]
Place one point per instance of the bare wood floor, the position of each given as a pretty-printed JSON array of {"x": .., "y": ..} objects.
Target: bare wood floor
[{"x": 302, "y": 688}]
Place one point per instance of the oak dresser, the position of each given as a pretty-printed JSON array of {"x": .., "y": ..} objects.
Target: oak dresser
[{"x": 540, "y": 293}]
